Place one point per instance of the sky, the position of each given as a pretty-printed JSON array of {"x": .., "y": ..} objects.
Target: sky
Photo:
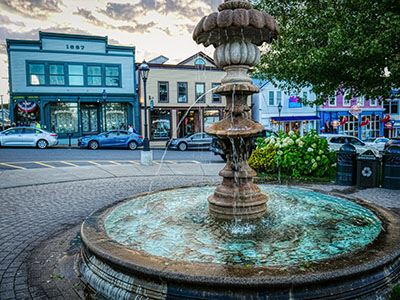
[{"x": 154, "y": 27}]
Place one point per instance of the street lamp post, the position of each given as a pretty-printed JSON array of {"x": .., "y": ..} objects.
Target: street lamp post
[
  {"x": 279, "y": 116},
  {"x": 147, "y": 155},
  {"x": 105, "y": 109}
]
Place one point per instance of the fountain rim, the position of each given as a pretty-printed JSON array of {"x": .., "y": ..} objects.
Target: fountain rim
[{"x": 378, "y": 253}]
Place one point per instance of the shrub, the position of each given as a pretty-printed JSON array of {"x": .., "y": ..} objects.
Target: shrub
[
  {"x": 295, "y": 155},
  {"x": 263, "y": 160}
]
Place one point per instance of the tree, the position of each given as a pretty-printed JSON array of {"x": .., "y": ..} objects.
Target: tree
[{"x": 332, "y": 45}]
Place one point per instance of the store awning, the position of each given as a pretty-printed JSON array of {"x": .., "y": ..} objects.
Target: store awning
[
  {"x": 396, "y": 124},
  {"x": 296, "y": 118}
]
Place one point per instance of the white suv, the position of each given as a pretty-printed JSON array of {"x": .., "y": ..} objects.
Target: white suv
[{"x": 336, "y": 141}]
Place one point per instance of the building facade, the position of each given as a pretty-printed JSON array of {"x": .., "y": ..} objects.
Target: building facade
[
  {"x": 180, "y": 97},
  {"x": 357, "y": 116},
  {"x": 293, "y": 114},
  {"x": 392, "y": 114},
  {"x": 74, "y": 84}
]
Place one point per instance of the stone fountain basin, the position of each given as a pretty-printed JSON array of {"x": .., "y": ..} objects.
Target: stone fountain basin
[
  {"x": 236, "y": 128},
  {"x": 368, "y": 272}
]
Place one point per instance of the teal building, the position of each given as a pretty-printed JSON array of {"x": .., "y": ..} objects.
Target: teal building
[{"x": 71, "y": 83}]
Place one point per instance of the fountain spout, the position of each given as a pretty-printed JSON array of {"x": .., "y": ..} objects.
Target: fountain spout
[{"x": 235, "y": 32}]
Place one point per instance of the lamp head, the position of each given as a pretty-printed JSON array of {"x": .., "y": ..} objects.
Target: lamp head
[{"x": 144, "y": 70}]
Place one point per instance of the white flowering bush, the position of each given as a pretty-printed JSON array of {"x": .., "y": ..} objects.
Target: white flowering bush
[{"x": 298, "y": 156}]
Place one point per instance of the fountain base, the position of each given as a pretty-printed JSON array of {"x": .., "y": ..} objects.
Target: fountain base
[{"x": 116, "y": 271}]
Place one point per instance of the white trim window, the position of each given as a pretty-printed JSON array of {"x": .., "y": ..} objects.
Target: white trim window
[
  {"x": 373, "y": 102},
  {"x": 360, "y": 101},
  {"x": 279, "y": 98},
  {"x": 346, "y": 99},
  {"x": 271, "y": 98},
  {"x": 332, "y": 101}
]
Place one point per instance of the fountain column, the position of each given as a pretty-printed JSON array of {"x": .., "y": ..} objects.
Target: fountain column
[{"x": 236, "y": 31}]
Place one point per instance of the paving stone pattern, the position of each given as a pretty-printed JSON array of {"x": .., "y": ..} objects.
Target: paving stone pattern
[{"x": 31, "y": 214}]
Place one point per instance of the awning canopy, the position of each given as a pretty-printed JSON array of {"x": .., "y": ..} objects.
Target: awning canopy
[{"x": 296, "y": 118}]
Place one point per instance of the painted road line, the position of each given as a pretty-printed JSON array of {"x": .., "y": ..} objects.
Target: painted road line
[
  {"x": 170, "y": 161},
  {"x": 155, "y": 162},
  {"x": 114, "y": 162},
  {"x": 95, "y": 163},
  {"x": 133, "y": 162},
  {"x": 12, "y": 166},
  {"x": 42, "y": 164},
  {"x": 68, "y": 163},
  {"x": 196, "y": 162}
]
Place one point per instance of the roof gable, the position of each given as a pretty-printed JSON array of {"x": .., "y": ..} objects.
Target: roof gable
[{"x": 198, "y": 59}]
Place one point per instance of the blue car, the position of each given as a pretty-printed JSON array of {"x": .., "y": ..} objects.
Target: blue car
[{"x": 113, "y": 138}]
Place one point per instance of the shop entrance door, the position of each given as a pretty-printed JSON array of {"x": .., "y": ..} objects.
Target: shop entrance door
[{"x": 90, "y": 119}]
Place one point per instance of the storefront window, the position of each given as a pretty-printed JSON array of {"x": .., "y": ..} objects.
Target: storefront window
[
  {"x": 210, "y": 116},
  {"x": 64, "y": 117},
  {"x": 160, "y": 124},
  {"x": 351, "y": 126},
  {"x": 188, "y": 122},
  {"x": 27, "y": 112},
  {"x": 117, "y": 116}
]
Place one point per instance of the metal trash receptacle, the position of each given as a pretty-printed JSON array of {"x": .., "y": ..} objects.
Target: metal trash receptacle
[
  {"x": 368, "y": 169},
  {"x": 391, "y": 168},
  {"x": 346, "y": 165}
]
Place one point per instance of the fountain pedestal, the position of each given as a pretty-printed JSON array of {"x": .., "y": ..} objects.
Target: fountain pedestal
[
  {"x": 235, "y": 32},
  {"x": 237, "y": 196}
]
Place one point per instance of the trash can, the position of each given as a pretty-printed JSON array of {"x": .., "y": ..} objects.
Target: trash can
[
  {"x": 391, "y": 168},
  {"x": 368, "y": 169},
  {"x": 346, "y": 165}
]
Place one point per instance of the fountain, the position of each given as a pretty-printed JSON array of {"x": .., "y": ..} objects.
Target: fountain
[
  {"x": 174, "y": 244},
  {"x": 236, "y": 31}
]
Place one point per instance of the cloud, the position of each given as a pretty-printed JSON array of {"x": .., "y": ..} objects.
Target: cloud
[
  {"x": 188, "y": 9},
  {"x": 135, "y": 28},
  {"x": 32, "y": 8},
  {"x": 7, "y": 20}
]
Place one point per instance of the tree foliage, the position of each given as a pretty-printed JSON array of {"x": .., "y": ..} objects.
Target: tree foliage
[{"x": 334, "y": 45}]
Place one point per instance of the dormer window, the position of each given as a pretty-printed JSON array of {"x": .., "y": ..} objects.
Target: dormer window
[{"x": 199, "y": 62}]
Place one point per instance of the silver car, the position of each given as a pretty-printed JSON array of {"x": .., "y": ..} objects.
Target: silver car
[
  {"x": 336, "y": 141},
  {"x": 198, "y": 140},
  {"x": 28, "y": 136}
]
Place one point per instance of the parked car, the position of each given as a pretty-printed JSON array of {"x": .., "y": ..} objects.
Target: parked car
[
  {"x": 392, "y": 141},
  {"x": 113, "y": 138},
  {"x": 28, "y": 136},
  {"x": 336, "y": 141},
  {"x": 199, "y": 140},
  {"x": 214, "y": 147},
  {"x": 378, "y": 143}
]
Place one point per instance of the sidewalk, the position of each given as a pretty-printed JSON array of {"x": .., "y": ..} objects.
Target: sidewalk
[
  {"x": 18, "y": 178},
  {"x": 64, "y": 143}
]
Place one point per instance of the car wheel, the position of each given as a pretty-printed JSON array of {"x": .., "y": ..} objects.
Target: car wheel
[
  {"x": 93, "y": 145},
  {"x": 182, "y": 146},
  {"x": 42, "y": 144},
  {"x": 132, "y": 145}
]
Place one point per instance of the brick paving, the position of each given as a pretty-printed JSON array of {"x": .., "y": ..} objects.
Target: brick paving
[
  {"x": 37, "y": 219},
  {"x": 30, "y": 214}
]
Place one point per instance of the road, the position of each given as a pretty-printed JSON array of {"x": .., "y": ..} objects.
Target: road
[{"x": 26, "y": 158}]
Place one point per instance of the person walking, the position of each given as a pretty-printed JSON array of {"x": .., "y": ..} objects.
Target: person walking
[{"x": 37, "y": 124}]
